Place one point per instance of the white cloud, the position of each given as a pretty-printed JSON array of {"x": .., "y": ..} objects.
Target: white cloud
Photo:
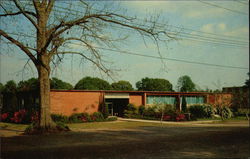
[
  {"x": 221, "y": 26},
  {"x": 208, "y": 28},
  {"x": 238, "y": 32}
]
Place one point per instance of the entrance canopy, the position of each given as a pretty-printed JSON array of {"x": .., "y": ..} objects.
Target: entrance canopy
[{"x": 116, "y": 96}]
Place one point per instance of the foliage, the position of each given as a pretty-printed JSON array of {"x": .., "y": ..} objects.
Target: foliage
[
  {"x": 1, "y": 87},
  {"x": 153, "y": 84},
  {"x": 130, "y": 111},
  {"x": 122, "y": 86},
  {"x": 150, "y": 111},
  {"x": 247, "y": 83},
  {"x": 62, "y": 127},
  {"x": 112, "y": 118},
  {"x": 104, "y": 110},
  {"x": 59, "y": 118},
  {"x": 225, "y": 112},
  {"x": 180, "y": 117},
  {"x": 56, "y": 83},
  {"x": 242, "y": 112},
  {"x": 21, "y": 116},
  {"x": 97, "y": 116},
  {"x": 184, "y": 104},
  {"x": 79, "y": 117},
  {"x": 10, "y": 87},
  {"x": 200, "y": 111},
  {"x": 141, "y": 109},
  {"x": 92, "y": 83},
  {"x": 5, "y": 117},
  {"x": 31, "y": 84},
  {"x": 185, "y": 84}
]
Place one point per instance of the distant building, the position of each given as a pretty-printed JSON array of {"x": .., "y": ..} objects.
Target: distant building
[{"x": 240, "y": 96}]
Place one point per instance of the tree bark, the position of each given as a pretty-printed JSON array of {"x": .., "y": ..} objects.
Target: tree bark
[
  {"x": 45, "y": 121},
  {"x": 43, "y": 68}
]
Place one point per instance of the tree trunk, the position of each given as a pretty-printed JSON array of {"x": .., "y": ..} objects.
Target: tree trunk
[{"x": 45, "y": 121}]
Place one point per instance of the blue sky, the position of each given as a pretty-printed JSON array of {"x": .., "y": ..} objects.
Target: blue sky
[{"x": 192, "y": 17}]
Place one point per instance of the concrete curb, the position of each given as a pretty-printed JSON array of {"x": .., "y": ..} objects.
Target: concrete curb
[{"x": 169, "y": 122}]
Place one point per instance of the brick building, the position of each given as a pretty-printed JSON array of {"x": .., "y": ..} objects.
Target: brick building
[{"x": 67, "y": 102}]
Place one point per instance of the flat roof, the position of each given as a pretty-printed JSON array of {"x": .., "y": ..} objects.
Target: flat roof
[{"x": 137, "y": 92}]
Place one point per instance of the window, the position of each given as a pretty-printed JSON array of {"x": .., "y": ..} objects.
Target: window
[{"x": 161, "y": 100}]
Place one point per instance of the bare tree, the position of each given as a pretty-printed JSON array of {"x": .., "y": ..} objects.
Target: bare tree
[{"x": 56, "y": 27}]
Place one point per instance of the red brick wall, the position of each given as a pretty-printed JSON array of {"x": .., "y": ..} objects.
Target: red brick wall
[
  {"x": 137, "y": 100},
  {"x": 67, "y": 103}
]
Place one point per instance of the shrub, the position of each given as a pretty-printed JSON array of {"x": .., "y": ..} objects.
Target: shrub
[
  {"x": 167, "y": 117},
  {"x": 104, "y": 110},
  {"x": 131, "y": 107},
  {"x": 21, "y": 116},
  {"x": 113, "y": 118},
  {"x": 209, "y": 110},
  {"x": 59, "y": 118},
  {"x": 97, "y": 116},
  {"x": 201, "y": 111},
  {"x": 131, "y": 111},
  {"x": 242, "y": 111},
  {"x": 141, "y": 109},
  {"x": 169, "y": 109},
  {"x": 150, "y": 111},
  {"x": 180, "y": 117},
  {"x": 62, "y": 127},
  {"x": 76, "y": 118},
  {"x": 225, "y": 112},
  {"x": 85, "y": 117},
  {"x": 5, "y": 117}
]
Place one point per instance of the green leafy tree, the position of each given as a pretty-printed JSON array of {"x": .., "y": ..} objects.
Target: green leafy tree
[
  {"x": 247, "y": 83},
  {"x": 56, "y": 83},
  {"x": 10, "y": 87},
  {"x": 185, "y": 84},
  {"x": 92, "y": 83},
  {"x": 10, "y": 96},
  {"x": 122, "y": 85},
  {"x": 31, "y": 84},
  {"x": 1, "y": 87},
  {"x": 154, "y": 84}
]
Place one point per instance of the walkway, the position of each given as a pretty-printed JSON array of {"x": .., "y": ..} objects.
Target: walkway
[{"x": 170, "y": 122}]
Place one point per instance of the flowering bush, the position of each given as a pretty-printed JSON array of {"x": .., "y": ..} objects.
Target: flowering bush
[
  {"x": 180, "y": 117},
  {"x": 19, "y": 117},
  {"x": 4, "y": 117},
  {"x": 167, "y": 117}
]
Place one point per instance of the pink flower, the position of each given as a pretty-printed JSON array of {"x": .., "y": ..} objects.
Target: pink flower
[{"x": 4, "y": 116}]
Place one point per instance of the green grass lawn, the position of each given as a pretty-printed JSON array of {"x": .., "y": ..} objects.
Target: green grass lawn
[
  {"x": 90, "y": 125},
  {"x": 116, "y": 124},
  {"x": 237, "y": 118},
  {"x": 124, "y": 139}
]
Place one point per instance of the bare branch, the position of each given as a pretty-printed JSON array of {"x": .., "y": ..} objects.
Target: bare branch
[
  {"x": 21, "y": 46},
  {"x": 128, "y": 26},
  {"x": 26, "y": 15},
  {"x": 17, "y": 13},
  {"x": 98, "y": 65},
  {"x": 50, "y": 6}
]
